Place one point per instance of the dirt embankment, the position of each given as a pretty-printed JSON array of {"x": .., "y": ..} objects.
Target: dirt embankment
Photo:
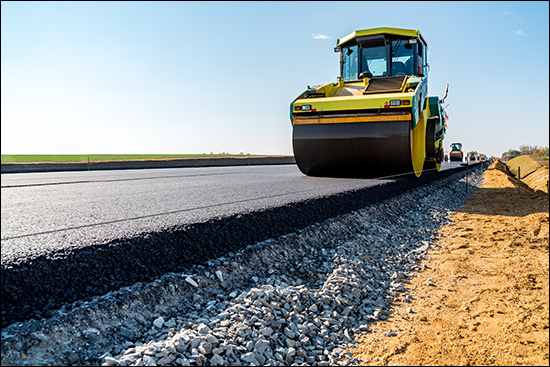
[
  {"x": 482, "y": 298},
  {"x": 532, "y": 169}
]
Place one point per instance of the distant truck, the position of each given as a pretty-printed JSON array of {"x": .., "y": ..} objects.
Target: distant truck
[
  {"x": 473, "y": 156},
  {"x": 456, "y": 154}
]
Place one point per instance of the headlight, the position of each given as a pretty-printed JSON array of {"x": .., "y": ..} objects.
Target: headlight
[{"x": 395, "y": 102}]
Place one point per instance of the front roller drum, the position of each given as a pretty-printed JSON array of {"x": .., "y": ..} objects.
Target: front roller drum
[{"x": 359, "y": 149}]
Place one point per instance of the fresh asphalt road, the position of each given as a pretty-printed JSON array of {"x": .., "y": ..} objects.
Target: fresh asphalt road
[{"x": 47, "y": 212}]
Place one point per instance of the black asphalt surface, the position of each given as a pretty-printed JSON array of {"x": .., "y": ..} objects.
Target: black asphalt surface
[
  {"x": 46, "y": 212},
  {"x": 70, "y": 235}
]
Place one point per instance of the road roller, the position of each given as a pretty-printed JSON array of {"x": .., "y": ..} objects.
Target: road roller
[
  {"x": 456, "y": 152},
  {"x": 377, "y": 119}
]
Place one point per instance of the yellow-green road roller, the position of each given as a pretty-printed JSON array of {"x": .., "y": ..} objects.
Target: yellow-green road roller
[{"x": 377, "y": 120}]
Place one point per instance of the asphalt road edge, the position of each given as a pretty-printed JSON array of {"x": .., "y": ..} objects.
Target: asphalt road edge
[{"x": 145, "y": 164}]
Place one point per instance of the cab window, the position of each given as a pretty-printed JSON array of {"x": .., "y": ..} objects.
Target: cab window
[
  {"x": 373, "y": 60},
  {"x": 349, "y": 63},
  {"x": 402, "y": 58}
]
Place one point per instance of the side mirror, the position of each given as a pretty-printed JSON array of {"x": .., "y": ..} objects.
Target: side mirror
[
  {"x": 365, "y": 74},
  {"x": 445, "y": 93}
]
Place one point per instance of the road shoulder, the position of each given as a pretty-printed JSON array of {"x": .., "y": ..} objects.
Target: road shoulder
[{"x": 482, "y": 296}]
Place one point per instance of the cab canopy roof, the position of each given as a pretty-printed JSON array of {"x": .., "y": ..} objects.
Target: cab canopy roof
[{"x": 379, "y": 31}]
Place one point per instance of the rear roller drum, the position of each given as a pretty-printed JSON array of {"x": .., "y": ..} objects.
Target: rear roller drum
[
  {"x": 434, "y": 147},
  {"x": 418, "y": 145}
]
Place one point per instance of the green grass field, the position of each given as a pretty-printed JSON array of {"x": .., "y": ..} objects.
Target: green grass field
[{"x": 31, "y": 158}]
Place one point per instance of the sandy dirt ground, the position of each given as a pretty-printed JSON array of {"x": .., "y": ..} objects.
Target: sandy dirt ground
[{"x": 482, "y": 296}]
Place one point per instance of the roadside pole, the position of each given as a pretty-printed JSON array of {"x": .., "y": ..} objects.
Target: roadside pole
[
  {"x": 467, "y": 173},
  {"x": 519, "y": 180}
]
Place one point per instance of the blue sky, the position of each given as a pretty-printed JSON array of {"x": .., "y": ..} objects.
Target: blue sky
[{"x": 200, "y": 77}]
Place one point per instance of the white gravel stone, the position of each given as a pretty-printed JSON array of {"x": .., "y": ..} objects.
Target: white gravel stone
[
  {"x": 110, "y": 361},
  {"x": 217, "y": 360},
  {"x": 203, "y": 329},
  {"x": 158, "y": 322},
  {"x": 149, "y": 361},
  {"x": 192, "y": 282},
  {"x": 249, "y": 357},
  {"x": 266, "y": 331},
  {"x": 205, "y": 348}
]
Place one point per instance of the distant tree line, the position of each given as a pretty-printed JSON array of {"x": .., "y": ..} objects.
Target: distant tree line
[{"x": 526, "y": 150}]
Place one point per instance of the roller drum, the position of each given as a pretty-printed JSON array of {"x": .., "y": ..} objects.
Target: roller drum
[{"x": 363, "y": 149}]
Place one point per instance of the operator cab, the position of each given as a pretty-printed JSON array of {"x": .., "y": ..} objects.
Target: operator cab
[
  {"x": 382, "y": 55},
  {"x": 456, "y": 147}
]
